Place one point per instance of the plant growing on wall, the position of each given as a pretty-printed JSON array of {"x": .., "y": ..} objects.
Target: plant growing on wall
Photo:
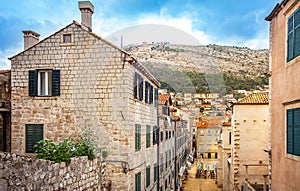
[{"x": 65, "y": 150}]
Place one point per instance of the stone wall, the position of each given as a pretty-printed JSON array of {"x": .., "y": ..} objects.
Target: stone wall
[
  {"x": 5, "y": 89},
  {"x": 19, "y": 172}
]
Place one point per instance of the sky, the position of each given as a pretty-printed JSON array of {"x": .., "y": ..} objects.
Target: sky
[{"x": 222, "y": 22}]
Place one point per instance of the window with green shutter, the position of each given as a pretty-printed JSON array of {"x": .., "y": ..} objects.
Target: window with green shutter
[
  {"x": 148, "y": 176},
  {"x": 148, "y": 135},
  {"x": 34, "y": 133},
  {"x": 155, "y": 97},
  {"x": 137, "y": 137},
  {"x": 44, "y": 83},
  {"x": 135, "y": 85},
  {"x": 151, "y": 94},
  {"x": 293, "y": 131},
  {"x": 138, "y": 182},
  {"x": 141, "y": 88},
  {"x": 293, "y": 35},
  {"x": 155, "y": 171}
]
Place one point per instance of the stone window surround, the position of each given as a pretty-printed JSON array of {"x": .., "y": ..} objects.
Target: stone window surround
[
  {"x": 62, "y": 39},
  {"x": 293, "y": 104}
]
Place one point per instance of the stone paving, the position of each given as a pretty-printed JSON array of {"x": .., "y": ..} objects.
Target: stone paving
[{"x": 199, "y": 184}]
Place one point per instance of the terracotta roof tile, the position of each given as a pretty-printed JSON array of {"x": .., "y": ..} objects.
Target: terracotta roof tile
[
  {"x": 4, "y": 71},
  {"x": 163, "y": 98},
  {"x": 255, "y": 98}
]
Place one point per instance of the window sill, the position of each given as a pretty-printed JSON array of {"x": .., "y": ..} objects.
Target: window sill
[
  {"x": 67, "y": 44},
  {"x": 292, "y": 157},
  {"x": 293, "y": 61},
  {"x": 44, "y": 97}
]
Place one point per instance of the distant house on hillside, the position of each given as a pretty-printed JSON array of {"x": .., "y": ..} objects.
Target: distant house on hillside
[{"x": 75, "y": 80}]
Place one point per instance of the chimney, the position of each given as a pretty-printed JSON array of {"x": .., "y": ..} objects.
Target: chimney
[
  {"x": 30, "y": 38},
  {"x": 87, "y": 10}
]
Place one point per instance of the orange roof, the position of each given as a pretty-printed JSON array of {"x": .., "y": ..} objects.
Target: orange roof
[
  {"x": 255, "y": 98},
  {"x": 209, "y": 123},
  {"x": 4, "y": 71},
  {"x": 163, "y": 98}
]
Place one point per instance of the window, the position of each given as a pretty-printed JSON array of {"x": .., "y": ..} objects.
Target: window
[
  {"x": 293, "y": 132},
  {"x": 209, "y": 155},
  {"x": 293, "y": 38},
  {"x": 138, "y": 182},
  {"x": 67, "y": 38},
  {"x": 216, "y": 155},
  {"x": 151, "y": 95},
  {"x": 155, "y": 97},
  {"x": 165, "y": 110},
  {"x": 148, "y": 134},
  {"x": 137, "y": 137},
  {"x": 155, "y": 171},
  {"x": 161, "y": 136},
  {"x": 147, "y": 92},
  {"x": 44, "y": 82},
  {"x": 148, "y": 176},
  {"x": 229, "y": 137},
  {"x": 34, "y": 133},
  {"x": 138, "y": 84},
  {"x": 155, "y": 135}
]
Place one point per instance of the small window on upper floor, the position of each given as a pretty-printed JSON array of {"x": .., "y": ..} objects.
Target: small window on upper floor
[
  {"x": 67, "y": 38},
  {"x": 293, "y": 35}
]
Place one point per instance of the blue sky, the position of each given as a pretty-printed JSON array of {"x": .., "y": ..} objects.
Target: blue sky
[{"x": 222, "y": 22}]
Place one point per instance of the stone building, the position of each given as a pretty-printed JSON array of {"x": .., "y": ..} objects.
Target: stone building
[
  {"x": 249, "y": 139},
  {"x": 73, "y": 81},
  {"x": 166, "y": 143},
  {"x": 224, "y": 155},
  {"x": 5, "y": 89},
  {"x": 208, "y": 130},
  {"x": 285, "y": 94}
]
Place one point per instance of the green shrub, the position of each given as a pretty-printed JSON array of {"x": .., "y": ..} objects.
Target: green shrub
[{"x": 64, "y": 151}]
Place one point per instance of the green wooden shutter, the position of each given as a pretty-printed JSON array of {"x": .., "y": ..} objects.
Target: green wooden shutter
[
  {"x": 156, "y": 97},
  {"x": 135, "y": 87},
  {"x": 148, "y": 176},
  {"x": 296, "y": 133},
  {"x": 56, "y": 83},
  {"x": 151, "y": 94},
  {"x": 34, "y": 133},
  {"x": 32, "y": 83},
  {"x": 289, "y": 136},
  {"x": 290, "y": 40},
  {"x": 148, "y": 135},
  {"x": 146, "y": 92},
  {"x": 138, "y": 181},
  {"x": 141, "y": 88},
  {"x": 155, "y": 171},
  {"x": 137, "y": 137}
]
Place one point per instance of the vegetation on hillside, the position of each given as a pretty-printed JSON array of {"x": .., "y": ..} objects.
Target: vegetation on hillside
[{"x": 196, "y": 82}]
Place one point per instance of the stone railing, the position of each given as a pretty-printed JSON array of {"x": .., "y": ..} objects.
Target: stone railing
[{"x": 19, "y": 172}]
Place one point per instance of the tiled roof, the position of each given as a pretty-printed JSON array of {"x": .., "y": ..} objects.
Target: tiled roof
[
  {"x": 255, "y": 98},
  {"x": 163, "y": 98},
  {"x": 4, "y": 71},
  {"x": 209, "y": 123}
]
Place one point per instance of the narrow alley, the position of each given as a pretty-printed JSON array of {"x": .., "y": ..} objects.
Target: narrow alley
[{"x": 199, "y": 184}]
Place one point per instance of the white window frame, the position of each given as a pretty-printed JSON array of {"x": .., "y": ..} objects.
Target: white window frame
[{"x": 47, "y": 84}]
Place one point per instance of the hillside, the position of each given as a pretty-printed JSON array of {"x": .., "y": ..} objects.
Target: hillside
[{"x": 205, "y": 68}]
